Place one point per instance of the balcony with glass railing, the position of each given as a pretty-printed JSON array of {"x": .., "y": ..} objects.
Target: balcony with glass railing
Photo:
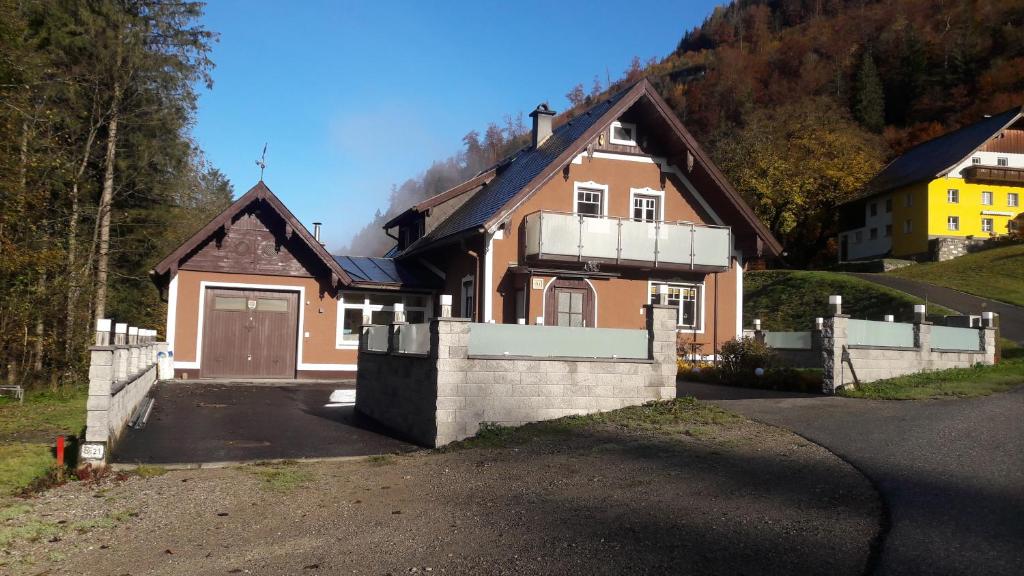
[{"x": 559, "y": 237}]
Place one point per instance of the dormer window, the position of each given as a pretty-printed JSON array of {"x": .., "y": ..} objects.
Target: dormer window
[
  {"x": 409, "y": 233},
  {"x": 623, "y": 133},
  {"x": 975, "y": 160}
]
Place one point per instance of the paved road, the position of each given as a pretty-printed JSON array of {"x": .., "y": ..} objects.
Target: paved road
[
  {"x": 951, "y": 472},
  {"x": 1011, "y": 317},
  {"x": 194, "y": 422}
]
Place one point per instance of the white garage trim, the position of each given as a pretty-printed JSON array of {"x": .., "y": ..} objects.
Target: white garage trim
[{"x": 203, "y": 285}]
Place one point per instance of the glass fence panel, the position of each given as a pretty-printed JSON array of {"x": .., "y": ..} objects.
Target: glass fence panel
[
  {"x": 875, "y": 333},
  {"x": 674, "y": 243},
  {"x": 414, "y": 338},
  {"x": 791, "y": 340},
  {"x": 560, "y": 234},
  {"x": 711, "y": 246},
  {"x": 533, "y": 234},
  {"x": 376, "y": 338},
  {"x": 950, "y": 338},
  {"x": 556, "y": 341},
  {"x": 600, "y": 238},
  {"x": 638, "y": 240}
]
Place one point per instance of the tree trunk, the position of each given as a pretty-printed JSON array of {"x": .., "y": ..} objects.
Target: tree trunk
[
  {"x": 74, "y": 279},
  {"x": 106, "y": 200},
  {"x": 40, "y": 330}
]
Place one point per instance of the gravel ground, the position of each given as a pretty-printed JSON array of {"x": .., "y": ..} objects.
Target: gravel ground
[{"x": 737, "y": 497}]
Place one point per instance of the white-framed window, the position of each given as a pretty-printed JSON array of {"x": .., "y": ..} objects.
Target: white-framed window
[
  {"x": 975, "y": 160},
  {"x": 1002, "y": 161},
  {"x": 953, "y": 223},
  {"x": 858, "y": 236},
  {"x": 908, "y": 226},
  {"x": 987, "y": 225},
  {"x": 1012, "y": 199},
  {"x": 689, "y": 298},
  {"x": 873, "y": 234},
  {"x": 873, "y": 209},
  {"x": 888, "y": 230},
  {"x": 355, "y": 308},
  {"x": 888, "y": 205},
  {"x": 590, "y": 199},
  {"x": 623, "y": 133},
  {"x": 953, "y": 196},
  {"x": 986, "y": 198},
  {"x": 647, "y": 204},
  {"x": 468, "y": 299},
  {"x": 908, "y": 200}
]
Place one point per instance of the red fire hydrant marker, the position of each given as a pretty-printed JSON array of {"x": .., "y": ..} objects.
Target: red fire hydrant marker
[{"x": 60, "y": 452}]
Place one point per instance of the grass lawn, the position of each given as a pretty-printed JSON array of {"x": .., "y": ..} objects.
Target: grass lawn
[
  {"x": 28, "y": 430},
  {"x": 685, "y": 415},
  {"x": 957, "y": 383},
  {"x": 997, "y": 274},
  {"x": 792, "y": 299}
]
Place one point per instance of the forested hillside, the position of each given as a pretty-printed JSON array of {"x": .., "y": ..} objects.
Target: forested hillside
[
  {"x": 98, "y": 175},
  {"x": 801, "y": 101}
]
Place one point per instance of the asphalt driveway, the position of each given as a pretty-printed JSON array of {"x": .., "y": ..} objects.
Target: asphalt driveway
[
  {"x": 207, "y": 422},
  {"x": 1011, "y": 318},
  {"x": 950, "y": 471}
]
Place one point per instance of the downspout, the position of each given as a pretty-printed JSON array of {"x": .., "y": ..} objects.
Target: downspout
[{"x": 715, "y": 335}]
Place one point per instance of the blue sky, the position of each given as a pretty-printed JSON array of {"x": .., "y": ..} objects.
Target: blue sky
[{"x": 356, "y": 96}]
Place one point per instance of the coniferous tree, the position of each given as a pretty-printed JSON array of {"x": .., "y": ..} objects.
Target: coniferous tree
[{"x": 869, "y": 103}]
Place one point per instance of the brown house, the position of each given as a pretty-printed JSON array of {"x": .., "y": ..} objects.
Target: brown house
[{"x": 580, "y": 228}]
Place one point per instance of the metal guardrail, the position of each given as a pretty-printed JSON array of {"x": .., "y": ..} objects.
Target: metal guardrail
[{"x": 622, "y": 240}]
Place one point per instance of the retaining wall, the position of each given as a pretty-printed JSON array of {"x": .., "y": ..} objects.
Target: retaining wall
[
  {"x": 120, "y": 376},
  {"x": 446, "y": 394}
]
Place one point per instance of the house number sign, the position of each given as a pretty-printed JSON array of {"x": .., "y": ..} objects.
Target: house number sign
[
  {"x": 92, "y": 451},
  {"x": 537, "y": 283}
]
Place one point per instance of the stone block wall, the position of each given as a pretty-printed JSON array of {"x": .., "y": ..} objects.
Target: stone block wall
[
  {"x": 850, "y": 365},
  {"x": 446, "y": 395},
  {"x": 120, "y": 376}
]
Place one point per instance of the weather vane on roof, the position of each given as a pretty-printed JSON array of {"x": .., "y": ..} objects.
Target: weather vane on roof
[{"x": 262, "y": 162}]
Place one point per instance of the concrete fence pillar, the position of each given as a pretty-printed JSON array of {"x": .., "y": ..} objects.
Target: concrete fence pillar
[
  {"x": 890, "y": 318},
  {"x": 102, "y": 375},
  {"x": 395, "y": 335},
  {"x": 922, "y": 335},
  {"x": 120, "y": 363},
  {"x": 120, "y": 334},
  {"x": 759, "y": 335},
  {"x": 446, "y": 305},
  {"x": 449, "y": 340},
  {"x": 833, "y": 346},
  {"x": 990, "y": 337},
  {"x": 835, "y": 305},
  {"x": 103, "y": 327},
  {"x": 920, "y": 313}
]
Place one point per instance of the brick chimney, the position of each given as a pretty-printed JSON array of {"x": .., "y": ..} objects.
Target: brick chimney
[{"x": 542, "y": 117}]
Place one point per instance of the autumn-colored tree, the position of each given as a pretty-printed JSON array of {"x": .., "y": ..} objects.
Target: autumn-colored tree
[{"x": 795, "y": 164}]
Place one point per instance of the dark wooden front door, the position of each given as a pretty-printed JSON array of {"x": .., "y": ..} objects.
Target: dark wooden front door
[
  {"x": 249, "y": 334},
  {"x": 569, "y": 303}
]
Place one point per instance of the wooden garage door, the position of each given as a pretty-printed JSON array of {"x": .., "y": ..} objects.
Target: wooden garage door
[{"x": 249, "y": 334}]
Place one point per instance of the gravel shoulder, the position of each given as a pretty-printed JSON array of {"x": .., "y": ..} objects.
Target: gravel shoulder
[{"x": 727, "y": 495}]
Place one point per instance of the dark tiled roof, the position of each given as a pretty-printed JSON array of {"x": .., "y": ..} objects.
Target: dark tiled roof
[
  {"x": 516, "y": 172},
  {"x": 929, "y": 159},
  {"x": 365, "y": 269}
]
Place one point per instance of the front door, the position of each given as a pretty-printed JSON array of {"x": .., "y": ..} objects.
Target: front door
[
  {"x": 569, "y": 303},
  {"x": 249, "y": 334}
]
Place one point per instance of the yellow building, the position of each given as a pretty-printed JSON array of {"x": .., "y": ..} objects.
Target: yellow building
[{"x": 942, "y": 196}]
